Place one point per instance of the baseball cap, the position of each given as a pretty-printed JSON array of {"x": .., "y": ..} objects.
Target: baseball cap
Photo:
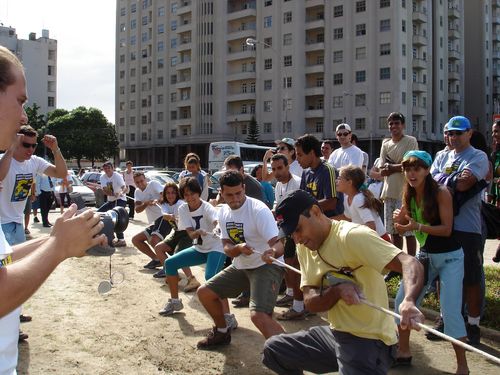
[
  {"x": 289, "y": 210},
  {"x": 419, "y": 154},
  {"x": 460, "y": 123},
  {"x": 342, "y": 127},
  {"x": 288, "y": 141}
]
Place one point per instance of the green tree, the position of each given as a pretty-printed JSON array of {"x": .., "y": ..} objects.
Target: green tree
[
  {"x": 84, "y": 133},
  {"x": 253, "y": 132},
  {"x": 38, "y": 122}
]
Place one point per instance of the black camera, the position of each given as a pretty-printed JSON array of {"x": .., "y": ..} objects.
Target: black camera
[{"x": 115, "y": 221}]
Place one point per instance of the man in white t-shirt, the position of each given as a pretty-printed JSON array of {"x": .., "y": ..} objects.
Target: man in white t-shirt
[
  {"x": 18, "y": 169},
  {"x": 147, "y": 194},
  {"x": 128, "y": 177},
  {"x": 113, "y": 186},
  {"x": 70, "y": 238},
  {"x": 249, "y": 235},
  {"x": 347, "y": 153}
]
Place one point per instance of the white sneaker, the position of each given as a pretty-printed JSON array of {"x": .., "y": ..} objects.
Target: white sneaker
[
  {"x": 192, "y": 285},
  {"x": 171, "y": 306},
  {"x": 231, "y": 322}
]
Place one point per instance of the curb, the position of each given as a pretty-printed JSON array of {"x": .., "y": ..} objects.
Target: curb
[{"x": 429, "y": 314}]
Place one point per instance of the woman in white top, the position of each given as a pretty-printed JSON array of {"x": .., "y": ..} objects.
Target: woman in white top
[
  {"x": 192, "y": 164},
  {"x": 360, "y": 206}
]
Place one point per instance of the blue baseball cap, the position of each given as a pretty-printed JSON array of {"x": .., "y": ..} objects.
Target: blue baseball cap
[
  {"x": 460, "y": 123},
  {"x": 422, "y": 155}
]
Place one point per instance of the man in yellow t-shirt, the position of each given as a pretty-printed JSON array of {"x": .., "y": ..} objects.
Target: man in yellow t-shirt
[{"x": 360, "y": 339}]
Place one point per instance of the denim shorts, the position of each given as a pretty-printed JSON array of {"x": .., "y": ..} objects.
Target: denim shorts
[{"x": 14, "y": 233}]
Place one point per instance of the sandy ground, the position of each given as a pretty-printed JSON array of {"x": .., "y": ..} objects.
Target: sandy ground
[{"x": 77, "y": 331}]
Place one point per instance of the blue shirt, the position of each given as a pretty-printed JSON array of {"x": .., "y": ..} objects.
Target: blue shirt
[
  {"x": 476, "y": 161},
  {"x": 268, "y": 193},
  {"x": 42, "y": 183}
]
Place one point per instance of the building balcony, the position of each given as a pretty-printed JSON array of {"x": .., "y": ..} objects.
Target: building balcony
[
  {"x": 247, "y": 10},
  {"x": 181, "y": 122},
  {"x": 183, "y": 65},
  {"x": 419, "y": 87},
  {"x": 495, "y": 3},
  {"x": 184, "y": 102},
  {"x": 237, "y": 76},
  {"x": 454, "y": 33},
  {"x": 453, "y": 75},
  {"x": 496, "y": 71},
  {"x": 315, "y": 24},
  {"x": 183, "y": 84},
  {"x": 418, "y": 111},
  {"x": 314, "y": 113},
  {"x": 314, "y": 90},
  {"x": 240, "y": 96},
  {"x": 238, "y": 55},
  {"x": 185, "y": 46},
  {"x": 495, "y": 19},
  {"x": 184, "y": 7},
  {"x": 182, "y": 27},
  {"x": 236, "y": 117},
  {"x": 247, "y": 32},
  {"x": 453, "y": 12},
  {"x": 316, "y": 68},
  {"x": 419, "y": 40},
  {"x": 453, "y": 96},
  {"x": 454, "y": 54},
  {"x": 495, "y": 55},
  {"x": 314, "y": 46},
  {"x": 419, "y": 17},
  {"x": 314, "y": 3},
  {"x": 419, "y": 64}
]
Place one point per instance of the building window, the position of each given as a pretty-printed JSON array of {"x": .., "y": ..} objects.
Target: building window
[
  {"x": 338, "y": 79},
  {"x": 159, "y": 134},
  {"x": 161, "y": 46},
  {"x": 338, "y": 101},
  {"x": 51, "y": 101},
  {"x": 385, "y": 97},
  {"x": 287, "y": 82},
  {"x": 360, "y": 6},
  {"x": 161, "y": 11},
  {"x": 338, "y": 11},
  {"x": 267, "y": 127},
  {"x": 123, "y": 12},
  {"x": 132, "y": 120},
  {"x": 132, "y": 104},
  {"x": 360, "y": 76},
  {"x": 385, "y": 73},
  {"x": 360, "y": 123},
  {"x": 268, "y": 21},
  {"x": 338, "y": 56},
  {"x": 287, "y": 60},
  {"x": 287, "y": 17},
  {"x": 159, "y": 99},
  {"x": 385, "y": 25},
  {"x": 144, "y": 136},
  {"x": 173, "y": 61},
  {"x": 360, "y": 100},
  {"x": 173, "y": 25},
  {"x": 385, "y": 49},
  {"x": 268, "y": 3},
  {"x": 360, "y": 53},
  {"x": 385, "y": 3},
  {"x": 161, "y": 29},
  {"x": 287, "y": 126},
  {"x": 173, "y": 115},
  {"x": 403, "y": 26},
  {"x": 132, "y": 137},
  {"x": 403, "y": 74},
  {"x": 159, "y": 116},
  {"x": 132, "y": 40},
  {"x": 160, "y": 82},
  {"x": 133, "y": 56},
  {"x": 287, "y": 39},
  {"x": 361, "y": 29},
  {"x": 268, "y": 85},
  {"x": 268, "y": 64},
  {"x": 173, "y": 133},
  {"x": 133, "y": 8},
  {"x": 403, "y": 98},
  {"x": 320, "y": 82},
  {"x": 160, "y": 63},
  {"x": 319, "y": 126},
  {"x": 268, "y": 106},
  {"x": 338, "y": 33}
]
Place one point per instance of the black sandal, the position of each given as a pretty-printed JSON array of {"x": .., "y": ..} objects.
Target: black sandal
[{"x": 402, "y": 362}]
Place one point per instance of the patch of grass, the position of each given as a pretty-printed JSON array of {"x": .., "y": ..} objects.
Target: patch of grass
[{"x": 491, "y": 317}]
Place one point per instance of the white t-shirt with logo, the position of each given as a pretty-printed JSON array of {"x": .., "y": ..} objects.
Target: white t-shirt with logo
[
  {"x": 114, "y": 184},
  {"x": 16, "y": 187},
  {"x": 345, "y": 156},
  {"x": 167, "y": 209},
  {"x": 282, "y": 190},
  {"x": 9, "y": 324},
  {"x": 152, "y": 192},
  {"x": 360, "y": 215},
  {"x": 204, "y": 218},
  {"x": 253, "y": 223}
]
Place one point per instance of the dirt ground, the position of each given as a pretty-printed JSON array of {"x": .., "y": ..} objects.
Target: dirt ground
[{"x": 77, "y": 331}]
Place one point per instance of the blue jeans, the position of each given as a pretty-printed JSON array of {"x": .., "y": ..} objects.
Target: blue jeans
[
  {"x": 14, "y": 233},
  {"x": 450, "y": 269},
  {"x": 192, "y": 257},
  {"x": 108, "y": 206}
]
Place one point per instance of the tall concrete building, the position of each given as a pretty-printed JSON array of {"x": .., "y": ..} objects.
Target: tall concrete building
[
  {"x": 192, "y": 72},
  {"x": 39, "y": 57}
]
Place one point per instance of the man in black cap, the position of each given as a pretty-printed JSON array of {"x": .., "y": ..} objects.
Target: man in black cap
[{"x": 342, "y": 264}]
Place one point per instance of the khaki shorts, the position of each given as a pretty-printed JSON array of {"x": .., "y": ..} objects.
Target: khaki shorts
[
  {"x": 178, "y": 240},
  {"x": 390, "y": 205},
  {"x": 264, "y": 284}
]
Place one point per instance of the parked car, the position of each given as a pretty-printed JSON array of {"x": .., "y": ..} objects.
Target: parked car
[
  {"x": 87, "y": 194},
  {"x": 161, "y": 176},
  {"x": 93, "y": 181}
]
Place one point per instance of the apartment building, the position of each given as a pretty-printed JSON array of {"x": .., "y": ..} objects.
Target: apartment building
[
  {"x": 39, "y": 57},
  {"x": 192, "y": 72}
]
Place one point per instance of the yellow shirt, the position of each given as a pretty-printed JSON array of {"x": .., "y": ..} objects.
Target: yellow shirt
[{"x": 352, "y": 245}]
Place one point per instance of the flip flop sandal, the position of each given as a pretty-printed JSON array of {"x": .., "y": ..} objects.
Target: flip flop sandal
[
  {"x": 27, "y": 231},
  {"x": 402, "y": 362}
]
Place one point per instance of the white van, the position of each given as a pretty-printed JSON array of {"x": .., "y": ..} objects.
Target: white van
[{"x": 219, "y": 151}]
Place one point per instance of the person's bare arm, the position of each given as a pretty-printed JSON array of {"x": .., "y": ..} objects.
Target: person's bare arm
[
  {"x": 266, "y": 175},
  {"x": 328, "y": 204},
  {"x": 465, "y": 180},
  {"x": 71, "y": 236},
  {"x": 60, "y": 169},
  {"x": 316, "y": 302},
  {"x": 7, "y": 156}
]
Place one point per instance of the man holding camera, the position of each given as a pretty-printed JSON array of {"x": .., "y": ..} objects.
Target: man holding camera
[
  {"x": 70, "y": 237},
  {"x": 342, "y": 264}
]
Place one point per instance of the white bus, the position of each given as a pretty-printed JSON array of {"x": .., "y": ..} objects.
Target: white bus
[{"x": 219, "y": 151}]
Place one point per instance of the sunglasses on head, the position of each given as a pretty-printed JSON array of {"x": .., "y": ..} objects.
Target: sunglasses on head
[
  {"x": 282, "y": 148},
  {"x": 458, "y": 133},
  {"x": 343, "y": 134},
  {"x": 28, "y": 145}
]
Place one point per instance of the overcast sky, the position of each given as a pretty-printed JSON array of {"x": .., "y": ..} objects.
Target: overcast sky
[{"x": 85, "y": 34}]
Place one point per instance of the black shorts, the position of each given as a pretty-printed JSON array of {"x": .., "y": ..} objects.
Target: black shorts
[
  {"x": 289, "y": 248},
  {"x": 161, "y": 228},
  {"x": 473, "y": 260}
]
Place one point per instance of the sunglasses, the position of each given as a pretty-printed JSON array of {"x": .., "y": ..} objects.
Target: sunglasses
[
  {"x": 282, "y": 148},
  {"x": 28, "y": 145},
  {"x": 457, "y": 133},
  {"x": 342, "y": 134}
]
